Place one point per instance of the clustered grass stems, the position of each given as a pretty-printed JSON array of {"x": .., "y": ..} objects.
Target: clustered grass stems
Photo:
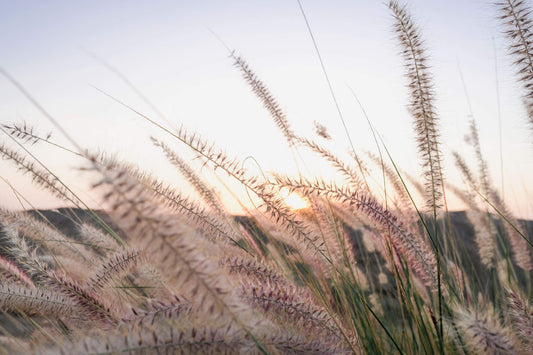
[
  {"x": 422, "y": 108},
  {"x": 272, "y": 203},
  {"x": 420, "y": 256},
  {"x": 349, "y": 273},
  {"x": 168, "y": 196},
  {"x": 482, "y": 186}
]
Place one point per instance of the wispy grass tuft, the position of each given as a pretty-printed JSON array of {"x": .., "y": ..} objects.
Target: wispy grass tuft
[{"x": 352, "y": 268}]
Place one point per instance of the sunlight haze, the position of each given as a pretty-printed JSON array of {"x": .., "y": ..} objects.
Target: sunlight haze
[{"x": 172, "y": 52}]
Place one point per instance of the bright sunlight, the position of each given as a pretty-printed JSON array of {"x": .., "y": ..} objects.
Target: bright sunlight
[{"x": 293, "y": 200}]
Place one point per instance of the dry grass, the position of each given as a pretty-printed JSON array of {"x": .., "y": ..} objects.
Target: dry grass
[{"x": 158, "y": 272}]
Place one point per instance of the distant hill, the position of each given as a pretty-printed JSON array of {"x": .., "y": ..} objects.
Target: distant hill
[
  {"x": 462, "y": 238},
  {"x": 66, "y": 220}
]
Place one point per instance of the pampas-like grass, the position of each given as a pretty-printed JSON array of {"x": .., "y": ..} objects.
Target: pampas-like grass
[
  {"x": 484, "y": 333},
  {"x": 32, "y": 301},
  {"x": 158, "y": 309},
  {"x": 258, "y": 272},
  {"x": 350, "y": 175},
  {"x": 205, "y": 192},
  {"x": 464, "y": 169},
  {"x": 22, "y": 229},
  {"x": 350, "y": 272},
  {"x": 273, "y": 205},
  {"x": 43, "y": 234},
  {"x": 517, "y": 237},
  {"x": 404, "y": 200},
  {"x": 296, "y": 309},
  {"x": 483, "y": 170},
  {"x": 39, "y": 176},
  {"x": 321, "y": 130},
  {"x": 113, "y": 268},
  {"x": 268, "y": 100},
  {"x": 521, "y": 314},
  {"x": 418, "y": 254},
  {"x": 485, "y": 239},
  {"x": 515, "y": 16},
  {"x": 174, "y": 200},
  {"x": 329, "y": 226},
  {"x": 421, "y": 97},
  {"x": 15, "y": 271},
  {"x": 88, "y": 303},
  {"x": 97, "y": 238},
  {"x": 173, "y": 250},
  {"x": 168, "y": 339},
  {"x": 198, "y": 339}
]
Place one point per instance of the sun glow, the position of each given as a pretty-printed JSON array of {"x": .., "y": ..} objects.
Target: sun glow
[{"x": 293, "y": 200}]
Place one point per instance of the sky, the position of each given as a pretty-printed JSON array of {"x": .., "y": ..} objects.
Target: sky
[{"x": 172, "y": 52}]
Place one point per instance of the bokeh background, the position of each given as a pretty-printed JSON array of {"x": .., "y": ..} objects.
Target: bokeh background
[{"x": 171, "y": 51}]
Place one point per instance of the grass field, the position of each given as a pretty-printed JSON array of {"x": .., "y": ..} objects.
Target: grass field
[{"x": 312, "y": 266}]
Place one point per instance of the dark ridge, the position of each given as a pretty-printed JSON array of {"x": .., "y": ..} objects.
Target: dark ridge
[
  {"x": 461, "y": 234},
  {"x": 67, "y": 220}
]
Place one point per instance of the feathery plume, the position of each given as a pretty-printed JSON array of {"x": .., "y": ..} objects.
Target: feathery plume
[
  {"x": 412, "y": 247},
  {"x": 25, "y": 133},
  {"x": 321, "y": 130},
  {"x": 484, "y": 334},
  {"x": 158, "y": 309},
  {"x": 266, "y": 97},
  {"x": 32, "y": 264},
  {"x": 272, "y": 203},
  {"x": 39, "y": 176},
  {"x": 161, "y": 339},
  {"x": 421, "y": 106},
  {"x": 206, "y": 192},
  {"x": 254, "y": 269},
  {"x": 43, "y": 233},
  {"x": 521, "y": 314},
  {"x": 14, "y": 270},
  {"x": 83, "y": 299},
  {"x": 483, "y": 168},
  {"x": 515, "y": 16},
  {"x": 349, "y": 174},
  {"x": 32, "y": 301},
  {"x": 330, "y": 228},
  {"x": 114, "y": 268},
  {"x": 404, "y": 201},
  {"x": 174, "y": 249},
  {"x": 465, "y": 171},
  {"x": 293, "y": 306},
  {"x": 485, "y": 241},
  {"x": 97, "y": 238},
  {"x": 174, "y": 200}
]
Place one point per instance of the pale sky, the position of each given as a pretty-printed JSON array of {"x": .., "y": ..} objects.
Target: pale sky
[{"x": 168, "y": 51}]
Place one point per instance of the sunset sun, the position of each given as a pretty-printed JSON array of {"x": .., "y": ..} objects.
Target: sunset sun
[{"x": 293, "y": 200}]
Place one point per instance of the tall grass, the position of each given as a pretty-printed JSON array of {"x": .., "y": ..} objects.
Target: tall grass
[{"x": 351, "y": 272}]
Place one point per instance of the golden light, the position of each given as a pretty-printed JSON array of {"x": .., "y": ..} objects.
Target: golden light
[{"x": 293, "y": 200}]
